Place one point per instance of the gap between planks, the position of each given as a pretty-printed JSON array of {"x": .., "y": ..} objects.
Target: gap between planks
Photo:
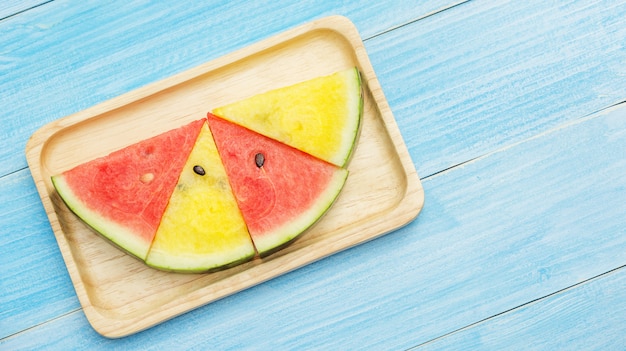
[
  {"x": 573, "y": 122},
  {"x": 426, "y": 15},
  {"x": 13, "y": 172},
  {"x": 24, "y": 10},
  {"x": 529, "y": 303},
  {"x": 35, "y": 326}
]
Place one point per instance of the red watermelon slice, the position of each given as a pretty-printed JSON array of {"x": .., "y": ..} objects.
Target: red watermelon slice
[
  {"x": 281, "y": 191},
  {"x": 123, "y": 195}
]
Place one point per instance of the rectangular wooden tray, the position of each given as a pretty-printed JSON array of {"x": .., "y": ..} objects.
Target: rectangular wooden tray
[{"x": 119, "y": 294}]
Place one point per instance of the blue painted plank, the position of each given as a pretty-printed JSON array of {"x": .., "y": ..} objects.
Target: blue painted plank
[
  {"x": 513, "y": 226},
  {"x": 490, "y": 73},
  {"x": 10, "y": 8},
  {"x": 34, "y": 283},
  {"x": 404, "y": 307},
  {"x": 69, "y": 55},
  {"x": 345, "y": 290},
  {"x": 586, "y": 317}
]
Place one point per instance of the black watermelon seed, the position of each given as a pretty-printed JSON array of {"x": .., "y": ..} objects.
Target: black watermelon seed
[
  {"x": 259, "y": 159},
  {"x": 199, "y": 170}
]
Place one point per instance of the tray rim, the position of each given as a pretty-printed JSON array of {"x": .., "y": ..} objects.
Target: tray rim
[{"x": 406, "y": 211}]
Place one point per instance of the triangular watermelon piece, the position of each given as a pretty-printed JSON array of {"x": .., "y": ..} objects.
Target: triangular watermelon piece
[
  {"x": 320, "y": 116},
  {"x": 202, "y": 228},
  {"x": 281, "y": 191},
  {"x": 123, "y": 195}
]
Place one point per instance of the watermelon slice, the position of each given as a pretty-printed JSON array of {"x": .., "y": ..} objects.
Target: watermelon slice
[
  {"x": 320, "y": 116},
  {"x": 123, "y": 195},
  {"x": 202, "y": 228},
  {"x": 281, "y": 191}
]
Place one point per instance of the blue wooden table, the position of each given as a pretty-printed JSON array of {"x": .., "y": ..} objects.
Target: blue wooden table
[{"x": 514, "y": 116}]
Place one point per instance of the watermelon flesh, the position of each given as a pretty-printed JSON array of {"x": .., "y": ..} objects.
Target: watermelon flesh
[
  {"x": 320, "y": 116},
  {"x": 123, "y": 195},
  {"x": 281, "y": 191},
  {"x": 202, "y": 229}
]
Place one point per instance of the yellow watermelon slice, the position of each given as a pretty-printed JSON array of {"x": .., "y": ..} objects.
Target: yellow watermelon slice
[
  {"x": 281, "y": 191},
  {"x": 123, "y": 195},
  {"x": 202, "y": 228},
  {"x": 320, "y": 116}
]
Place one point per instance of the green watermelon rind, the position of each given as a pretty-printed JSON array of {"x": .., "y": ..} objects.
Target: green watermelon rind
[
  {"x": 199, "y": 263},
  {"x": 287, "y": 233},
  {"x": 353, "y": 77},
  {"x": 119, "y": 235}
]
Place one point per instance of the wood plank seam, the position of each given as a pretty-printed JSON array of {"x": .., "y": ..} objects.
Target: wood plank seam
[
  {"x": 48, "y": 321},
  {"x": 24, "y": 10},
  {"x": 529, "y": 303},
  {"x": 426, "y": 15},
  {"x": 564, "y": 125}
]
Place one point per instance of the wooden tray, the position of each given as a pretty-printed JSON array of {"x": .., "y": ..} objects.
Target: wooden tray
[{"x": 119, "y": 294}]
